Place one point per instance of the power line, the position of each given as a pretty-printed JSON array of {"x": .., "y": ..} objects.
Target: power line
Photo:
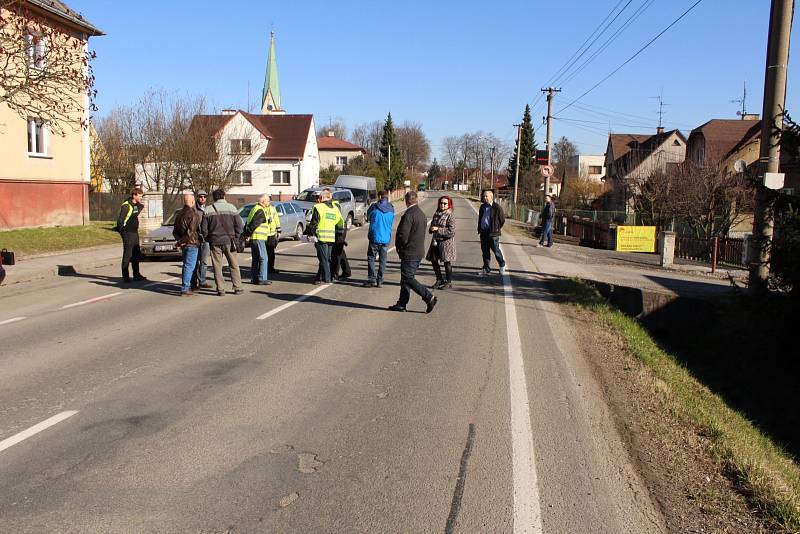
[{"x": 634, "y": 56}]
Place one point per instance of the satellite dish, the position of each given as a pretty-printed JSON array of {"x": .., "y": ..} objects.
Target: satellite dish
[{"x": 740, "y": 165}]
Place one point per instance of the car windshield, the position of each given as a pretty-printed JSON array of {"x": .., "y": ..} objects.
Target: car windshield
[
  {"x": 306, "y": 196},
  {"x": 359, "y": 194}
]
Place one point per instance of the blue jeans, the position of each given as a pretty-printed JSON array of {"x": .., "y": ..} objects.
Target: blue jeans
[
  {"x": 408, "y": 283},
  {"x": 547, "y": 233},
  {"x": 189, "y": 255},
  {"x": 380, "y": 250},
  {"x": 324, "y": 257},
  {"x": 491, "y": 244},
  {"x": 258, "y": 267},
  {"x": 203, "y": 251}
]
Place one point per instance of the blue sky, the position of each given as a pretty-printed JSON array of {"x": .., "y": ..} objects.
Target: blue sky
[{"x": 454, "y": 67}]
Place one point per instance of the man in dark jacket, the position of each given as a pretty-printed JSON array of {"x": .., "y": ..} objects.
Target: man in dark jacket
[
  {"x": 490, "y": 224},
  {"x": 410, "y": 244},
  {"x": 203, "y": 250},
  {"x": 222, "y": 226},
  {"x": 187, "y": 234},
  {"x": 548, "y": 216},
  {"x": 128, "y": 228}
]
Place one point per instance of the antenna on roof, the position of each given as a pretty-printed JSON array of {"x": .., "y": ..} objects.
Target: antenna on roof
[
  {"x": 742, "y": 101},
  {"x": 660, "y": 111}
]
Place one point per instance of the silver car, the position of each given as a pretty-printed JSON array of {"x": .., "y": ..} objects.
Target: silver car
[
  {"x": 290, "y": 215},
  {"x": 160, "y": 242}
]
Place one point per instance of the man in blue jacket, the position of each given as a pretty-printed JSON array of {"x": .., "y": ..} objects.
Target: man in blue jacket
[{"x": 381, "y": 219}]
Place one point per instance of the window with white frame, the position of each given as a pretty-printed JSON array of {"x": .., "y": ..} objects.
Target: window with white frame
[
  {"x": 37, "y": 136},
  {"x": 240, "y": 146},
  {"x": 36, "y": 47},
  {"x": 242, "y": 178},
  {"x": 281, "y": 177},
  {"x": 341, "y": 160}
]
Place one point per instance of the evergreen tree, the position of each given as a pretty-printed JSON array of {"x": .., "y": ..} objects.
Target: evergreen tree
[
  {"x": 434, "y": 172},
  {"x": 528, "y": 149},
  {"x": 395, "y": 175}
]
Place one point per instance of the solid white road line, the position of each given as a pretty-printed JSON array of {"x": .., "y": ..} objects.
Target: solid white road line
[
  {"x": 299, "y": 299},
  {"x": 12, "y": 320},
  {"x": 527, "y": 509},
  {"x": 96, "y": 299},
  {"x": 35, "y": 429}
]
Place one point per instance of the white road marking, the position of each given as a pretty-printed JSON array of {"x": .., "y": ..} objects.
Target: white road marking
[
  {"x": 35, "y": 429},
  {"x": 166, "y": 281},
  {"x": 527, "y": 509},
  {"x": 12, "y": 320},
  {"x": 96, "y": 299},
  {"x": 299, "y": 299}
]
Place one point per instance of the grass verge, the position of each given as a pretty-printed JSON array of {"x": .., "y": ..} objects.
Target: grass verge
[
  {"x": 30, "y": 241},
  {"x": 768, "y": 477}
]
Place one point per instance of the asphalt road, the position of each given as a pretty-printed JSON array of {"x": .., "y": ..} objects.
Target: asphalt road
[{"x": 133, "y": 410}]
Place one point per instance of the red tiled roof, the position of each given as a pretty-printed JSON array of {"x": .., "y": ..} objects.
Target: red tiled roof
[
  {"x": 725, "y": 136},
  {"x": 326, "y": 142},
  {"x": 623, "y": 145}
]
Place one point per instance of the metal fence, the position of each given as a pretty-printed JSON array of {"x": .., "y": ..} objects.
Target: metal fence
[
  {"x": 716, "y": 250},
  {"x": 105, "y": 206}
]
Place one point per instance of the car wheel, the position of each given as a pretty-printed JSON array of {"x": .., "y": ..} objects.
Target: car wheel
[
  {"x": 349, "y": 221},
  {"x": 298, "y": 232}
]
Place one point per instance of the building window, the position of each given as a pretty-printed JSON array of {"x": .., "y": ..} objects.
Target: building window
[
  {"x": 595, "y": 169},
  {"x": 240, "y": 146},
  {"x": 341, "y": 160},
  {"x": 676, "y": 143},
  {"x": 36, "y": 47},
  {"x": 37, "y": 136},
  {"x": 281, "y": 177},
  {"x": 242, "y": 178}
]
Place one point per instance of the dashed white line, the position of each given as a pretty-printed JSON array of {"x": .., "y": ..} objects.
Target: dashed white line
[
  {"x": 299, "y": 299},
  {"x": 96, "y": 299},
  {"x": 12, "y": 320},
  {"x": 35, "y": 429}
]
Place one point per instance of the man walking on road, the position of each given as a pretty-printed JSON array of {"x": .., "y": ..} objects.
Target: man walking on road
[
  {"x": 128, "y": 228},
  {"x": 325, "y": 219},
  {"x": 203, "y": 250},
  {"x": 381, "y": 219},
  {"x": 187, "y": 234},
  {"x": 490, "y": 224},
  {"x": 548, "y": 216},
  {"x": 222, "y": 226},
  {"x": 263, "y": 226},
  {"x": 410, "y": 244}
]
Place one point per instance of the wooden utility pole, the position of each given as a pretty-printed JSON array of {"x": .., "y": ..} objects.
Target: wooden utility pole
[
  {"x": 780, "y": 28},
  {"x": 549, "y": 91},
  {"x": 519, "y": 155}
]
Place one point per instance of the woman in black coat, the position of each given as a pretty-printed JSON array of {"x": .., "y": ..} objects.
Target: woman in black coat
[{"x": 443, "y": 243}]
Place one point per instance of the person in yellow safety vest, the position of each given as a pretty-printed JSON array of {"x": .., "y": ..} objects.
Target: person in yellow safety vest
[
  {"x": 326, "y": 220},
  {"x": 263, "y": 225},
  {"x": 338, "y": 253},
  {"x": 128, "y": 228}
]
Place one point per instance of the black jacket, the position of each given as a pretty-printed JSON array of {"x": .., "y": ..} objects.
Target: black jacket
[
  {"x": 549, "y": 212},
  {"x": 131, "y": 225},
  {"x": 410, "y": 237},
  {"x": 496, "y": 220}
]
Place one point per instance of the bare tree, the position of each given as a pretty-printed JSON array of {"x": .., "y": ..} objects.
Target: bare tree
[
  {"x": 337, "y": 126},
  {"x": 368, "y": 136},
  {"x": 581, "y": 193},
  {"x": 414, "y": 145},
  {"x": 46, "y": 70},
  {"x": 563, "y": 151}
]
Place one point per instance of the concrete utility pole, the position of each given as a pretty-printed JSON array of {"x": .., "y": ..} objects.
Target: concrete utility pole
[
  {"x": 780, "y": 28},
  {"x": 492, "y": 156},
  {"x": 516, "y": 170},
  {"x": 549, "y": 91}
]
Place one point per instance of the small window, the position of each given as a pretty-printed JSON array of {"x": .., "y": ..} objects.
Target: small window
[
  {"x": 280, "y": 210},
  {"x": 242, "y": 178},
  {"x": 595, "y": 169},
  {"x": 281, "y": 178},
  {"x": 341, "y": 196},
  {"x": 36, "y": 48},
  {"x": 240, "y": 146},
  {"x": 341, "y": 160},
  {"x": 676, "y": 143},
  {"x": 37, "y": 136}
]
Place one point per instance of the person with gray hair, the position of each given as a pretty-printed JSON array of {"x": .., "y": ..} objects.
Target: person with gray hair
[
  {"x": 263, "y": 225},
  {"x": 187, "y": 234},
  {"x": 203, "y": 250}
]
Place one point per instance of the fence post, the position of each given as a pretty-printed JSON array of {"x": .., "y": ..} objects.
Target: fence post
[
  {"x": 714, "y": 255},
  {"x": 666, "y": 247}
]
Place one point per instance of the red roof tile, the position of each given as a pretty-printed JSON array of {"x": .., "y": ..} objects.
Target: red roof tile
[
  {"x": 725, "y": 136},
  {"x": 326, "y": 142}
]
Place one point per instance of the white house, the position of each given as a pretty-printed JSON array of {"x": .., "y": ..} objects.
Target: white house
[{"x": 587, "y": 166}]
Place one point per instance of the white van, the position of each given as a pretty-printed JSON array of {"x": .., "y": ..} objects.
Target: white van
[{"x": 364, "y": 191}]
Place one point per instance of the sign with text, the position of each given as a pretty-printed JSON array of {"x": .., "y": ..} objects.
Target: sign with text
[{"x": 636, "y": 238}]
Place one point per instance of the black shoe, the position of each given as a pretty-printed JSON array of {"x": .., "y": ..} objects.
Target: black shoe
[
  {"x": 273, "y": 271},
  {"x": 369, "y": 284},
  {"x": 437, "y": 284},
  {"x": 255, "y": 282},
  {"x": 220, "y": 293},
  {"x": 378, "y": 284},
  {"x": 139, "y": 278},
  {"x": 265, "y": 282},
  {"x": 126, "y": 280},
  {"x": 431, "y": 304},
  {"x": 446, "y": 285},
  {"x": 238, "y": 291},
  {"x": 397, "y": 308},
  {"x": 344, "y": 277}
]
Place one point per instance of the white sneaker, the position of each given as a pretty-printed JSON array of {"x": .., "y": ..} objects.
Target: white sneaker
[
  {"x": 539, "y": 245},
  {"x": 502, "y": 271}
]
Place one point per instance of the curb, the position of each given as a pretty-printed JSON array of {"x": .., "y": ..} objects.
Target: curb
[{"x": 56, "y": 270}]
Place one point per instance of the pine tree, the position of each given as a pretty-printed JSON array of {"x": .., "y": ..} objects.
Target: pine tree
[
  {"x": 527, "y": 147},
  {"x": 395, "y": 175},
  {"x": 434, "y": 172}
]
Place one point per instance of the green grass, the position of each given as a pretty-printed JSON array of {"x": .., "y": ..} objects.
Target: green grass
[
  {"x": 768, "y": 477},
  {"x": 28, "y": 241}
]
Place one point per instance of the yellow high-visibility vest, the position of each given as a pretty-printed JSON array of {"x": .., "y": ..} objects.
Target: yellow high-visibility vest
[
  {"x": 329, "y": 219},
  {"x": 266, "y": 229}
]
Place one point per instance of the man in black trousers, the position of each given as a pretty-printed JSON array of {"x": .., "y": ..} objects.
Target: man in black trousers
[
  {"x": 128, "y": 228},
  {"x": 410, "y": 244}
]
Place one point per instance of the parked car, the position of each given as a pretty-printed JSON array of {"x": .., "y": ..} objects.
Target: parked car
[
  {"x": 160, "y": 242},
  {"x": 347, "y": 204},
  {"x": 291, "y": 215},
  {"x": 364, "y": 192}
]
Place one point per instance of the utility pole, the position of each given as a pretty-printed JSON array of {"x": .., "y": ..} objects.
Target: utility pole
[
  {"x": 549, "y": 91},
  {"x": 492, "y": 152},
  {"x": 780, "y": 29},
  {"x": 516, "y": 170}
]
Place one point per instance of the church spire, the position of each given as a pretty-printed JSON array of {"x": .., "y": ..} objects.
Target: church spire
[{"x": 271, "y": 94}]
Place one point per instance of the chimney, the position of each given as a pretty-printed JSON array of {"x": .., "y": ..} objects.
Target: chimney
[
  {"x": 229, "y": 112},
  {"x": 660, "y": 130},
  {"x": 331, "y": 133},
  {"x": 750, "y": 117}
]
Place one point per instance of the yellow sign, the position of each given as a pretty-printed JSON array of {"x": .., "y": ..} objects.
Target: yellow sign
[{"x": 636, "y": 238}]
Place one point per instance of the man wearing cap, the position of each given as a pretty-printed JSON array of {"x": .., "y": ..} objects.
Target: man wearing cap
[{"x": 203, "y": 250}]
